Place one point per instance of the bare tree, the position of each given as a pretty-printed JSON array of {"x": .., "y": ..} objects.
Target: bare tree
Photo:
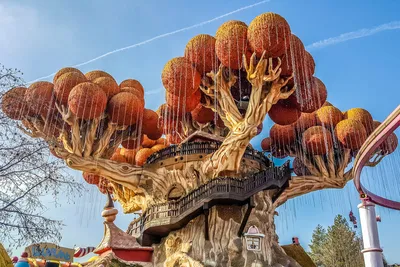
[{"x": 27, "y": 173}]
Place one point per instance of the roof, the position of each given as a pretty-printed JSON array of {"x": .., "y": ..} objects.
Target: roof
[
  {"x": 110, "y": 259},
  {"x": 253, "y": 230},
  {"x": 115, "y": 238},
  {"x": 299, "y": 254}
]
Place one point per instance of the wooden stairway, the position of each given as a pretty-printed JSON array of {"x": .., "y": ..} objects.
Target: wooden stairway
[{"x": 159, "y": 220}]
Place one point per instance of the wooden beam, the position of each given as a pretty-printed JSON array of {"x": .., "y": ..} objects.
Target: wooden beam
[
  {"x": 201, "y": 203},
  {"x": 246, "y": 216},
  {"x": 206, "y": 212}
]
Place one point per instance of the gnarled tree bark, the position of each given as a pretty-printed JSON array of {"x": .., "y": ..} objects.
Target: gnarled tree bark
[
  {"x": 188, "y": 246},
  {"x": 122, "y": 173},
  {"x": 266, "y": 91}
]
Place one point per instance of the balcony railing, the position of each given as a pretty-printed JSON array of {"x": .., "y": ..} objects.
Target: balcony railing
[
  {"x": 201, "y": 148},
  {"x": 232, "y": 190}
]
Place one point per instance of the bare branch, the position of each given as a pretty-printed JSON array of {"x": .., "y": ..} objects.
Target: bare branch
[
  {"x": 23, "y": 195},
  {"x": 28, "y": 172}
]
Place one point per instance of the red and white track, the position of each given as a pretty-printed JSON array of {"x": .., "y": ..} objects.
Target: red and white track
[{"x": 380, "y": 134}]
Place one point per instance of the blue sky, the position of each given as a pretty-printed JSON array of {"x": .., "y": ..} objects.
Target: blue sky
[{"x": 40, "y": 37}]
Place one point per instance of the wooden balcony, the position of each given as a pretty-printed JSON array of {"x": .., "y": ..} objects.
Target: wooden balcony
[
  {"x": 201, "y": 148},
  {"x": 159, "y": 220}
]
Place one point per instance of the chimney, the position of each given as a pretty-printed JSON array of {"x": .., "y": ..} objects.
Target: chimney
[{"x": 295, "y": 241}]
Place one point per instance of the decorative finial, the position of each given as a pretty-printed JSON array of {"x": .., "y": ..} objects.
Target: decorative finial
[
  {"x": 110, "y": 202},
  {"x": 110, "y": 212}
]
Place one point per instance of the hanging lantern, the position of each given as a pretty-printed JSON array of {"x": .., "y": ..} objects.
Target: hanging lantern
[{"x": 253, "y": 238}]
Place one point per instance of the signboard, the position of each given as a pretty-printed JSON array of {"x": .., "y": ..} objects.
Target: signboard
[{"x": 49, "y": 251}]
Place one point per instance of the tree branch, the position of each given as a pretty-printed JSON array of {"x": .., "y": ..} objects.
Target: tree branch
[
  {"x": 90, "y": 136},
  {"x": 329, "y": 177},
  {"x": 35, "y": 228},
  {"x": 300, "y": 185},
  {"x": 27, "y": 174},
  {"x": 23, "y": 195},
  {"x": 219, "y": 97},
  {"x": 122, "y": 173},
  {"x": 242, "y": 129}
]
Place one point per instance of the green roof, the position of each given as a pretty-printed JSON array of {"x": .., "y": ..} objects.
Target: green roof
[{"x": 299, "y": 254}]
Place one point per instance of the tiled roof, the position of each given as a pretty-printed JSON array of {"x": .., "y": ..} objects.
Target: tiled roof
[
  {"x": 115, "y": 238},
  {"x": 299, "y": 254}
]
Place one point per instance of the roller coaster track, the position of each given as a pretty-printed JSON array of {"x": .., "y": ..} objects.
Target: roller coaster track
[
  {"x": 159, "y": 220},
  {"x": 380, "y": 134}
]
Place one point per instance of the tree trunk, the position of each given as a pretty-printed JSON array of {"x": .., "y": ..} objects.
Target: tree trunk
[
  {"x": 229, "y": 155},
  {"x": 188, "y": 247}
]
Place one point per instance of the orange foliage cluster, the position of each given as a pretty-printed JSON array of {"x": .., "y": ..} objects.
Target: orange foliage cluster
[
  {"x": 325, "y": 129},
  {"x": 305, "y": 119},
  {"x": 139, "y": 154},
  {"x": 136, "y": 156},
  {"x": 88, "y": 96},
  {"x": 269, "y": 33}
]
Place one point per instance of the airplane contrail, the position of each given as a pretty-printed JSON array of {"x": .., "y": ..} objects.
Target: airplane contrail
[
  {"x": 159, "y": 37},
  {"x": 155, "y": 91},
  {"x": 394, "y": 25}
]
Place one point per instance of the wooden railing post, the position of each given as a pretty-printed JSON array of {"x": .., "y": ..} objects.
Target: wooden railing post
[{"x": 206, "y": 212}]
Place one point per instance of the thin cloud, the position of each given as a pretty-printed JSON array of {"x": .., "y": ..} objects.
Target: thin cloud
[
  {"x": 394, "y": 25},
  {"x": 153, "y": 92},
  {"x": 158, "y": 37}
]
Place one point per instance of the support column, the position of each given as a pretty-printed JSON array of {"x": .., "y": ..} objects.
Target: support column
[
  {"x": 206, "y": 212},
  {"x": 372, "y": 250}
]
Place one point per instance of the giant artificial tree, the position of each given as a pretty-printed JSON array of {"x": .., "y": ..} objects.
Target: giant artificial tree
[{"x": 223, "y": 86}]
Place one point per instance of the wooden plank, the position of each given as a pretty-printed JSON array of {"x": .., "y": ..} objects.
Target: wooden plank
[
  {"x": 246, "y": 216},
  {"x": 206, "y": 212}
]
